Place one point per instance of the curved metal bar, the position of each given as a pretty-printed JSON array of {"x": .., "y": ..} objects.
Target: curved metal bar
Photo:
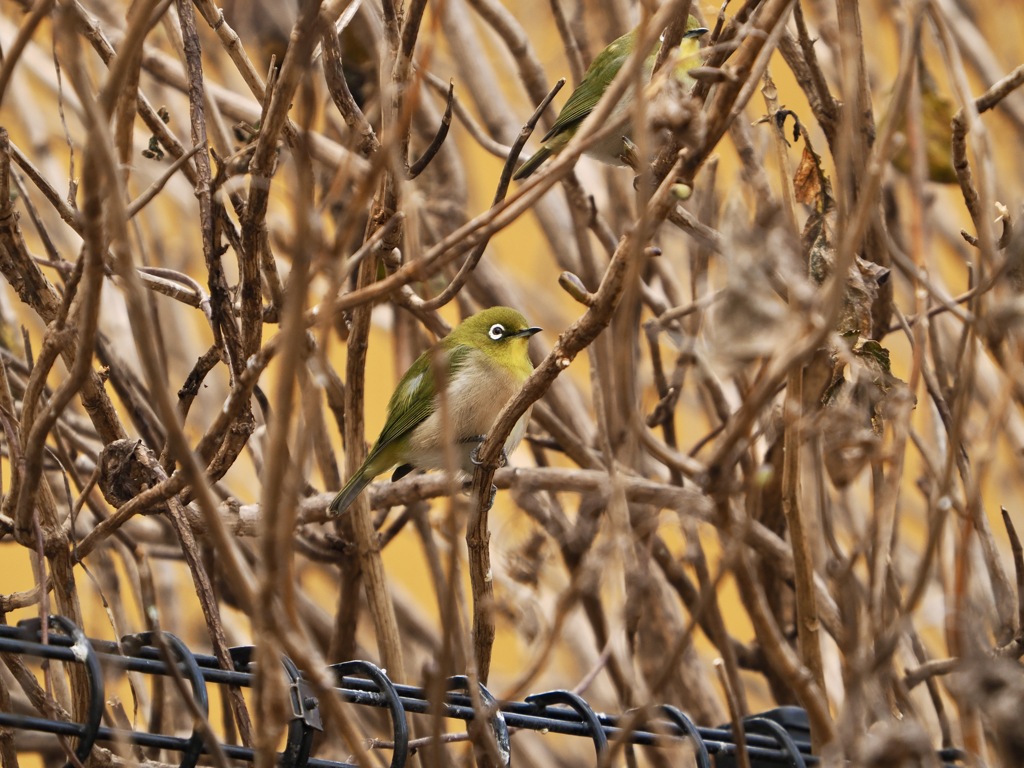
[
  {"x": 686, "y": 725},
  {"x": 85, "y": 654},
  {"x": 498, "y": 724},
  {"x": 786, "y": 744},
  {"x": 305, "y": 718},
  {"x": 543, "y": 700},
  {"x": 399, "y": 726},
  {"x": 190, "y": 670}
]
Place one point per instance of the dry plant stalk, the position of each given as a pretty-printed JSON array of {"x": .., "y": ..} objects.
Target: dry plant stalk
[{"x": 778, "y": 403}]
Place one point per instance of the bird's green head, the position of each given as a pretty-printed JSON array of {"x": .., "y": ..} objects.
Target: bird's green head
[{"x": 500, "y": 333}]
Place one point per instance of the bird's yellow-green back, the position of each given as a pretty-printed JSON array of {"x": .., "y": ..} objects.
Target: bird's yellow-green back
[{"x": 595, "y": 82}]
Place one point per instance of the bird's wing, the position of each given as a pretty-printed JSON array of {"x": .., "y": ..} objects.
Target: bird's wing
[
  {"x": 595, "y": 81},
  {"x": 413, "y": 400},
  {"x": 580, "y": 104}
]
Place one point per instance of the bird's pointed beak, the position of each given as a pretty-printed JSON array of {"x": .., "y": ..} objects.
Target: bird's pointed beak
[
  {"x": 696, "y": 33},
  {"x": 528, "y": 332}
]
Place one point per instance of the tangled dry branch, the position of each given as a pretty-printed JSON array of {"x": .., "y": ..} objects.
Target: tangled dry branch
[{"x": 777, "y": 406}]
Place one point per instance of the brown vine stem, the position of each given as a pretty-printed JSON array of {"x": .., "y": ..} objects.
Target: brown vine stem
[
  {"x": 808, "y": 626},
  {"x": 294, "y": 69},
  {"x": 382, "y": 209},
  {"x": 141, "y": 325},
  {"x": 777, "y": 649},
  {"x": 225, "y": 330},
  {"x": 571, "y": 342},
  {"x": 376, "y": 586},
  {"x": 342, "y": 96}
]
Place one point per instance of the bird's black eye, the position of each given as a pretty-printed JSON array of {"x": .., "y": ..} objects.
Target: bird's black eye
[{"x": 496, "y": 331}]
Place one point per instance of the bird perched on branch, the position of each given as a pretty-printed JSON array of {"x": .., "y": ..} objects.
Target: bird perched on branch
[
  {"x": 480, "y": 365},
  {"x": 615, "y": 149}
]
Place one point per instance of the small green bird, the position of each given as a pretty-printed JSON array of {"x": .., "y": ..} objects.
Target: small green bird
[
  {"x": 614, "y": 150},
  {"x": 486, "y": 361}
]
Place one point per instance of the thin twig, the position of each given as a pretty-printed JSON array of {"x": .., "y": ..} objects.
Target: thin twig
[
  {"x": 435, "y": 144},
  {"x": 449, "y": 292}
]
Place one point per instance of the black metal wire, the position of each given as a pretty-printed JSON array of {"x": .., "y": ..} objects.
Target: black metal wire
[
  {"x": 687, "y": 726},
  {"x": 773, "y": 739},
  {"x": 574, "y": 701},
  {"x": 399, "y": 725},
  {"x": 191, "y": 672},
  {"x": 457, "y": 706},
  {"x": 785, "y": 741},
  {"x": 499, "y": 727},
  {"x": 83, "y": 652}
]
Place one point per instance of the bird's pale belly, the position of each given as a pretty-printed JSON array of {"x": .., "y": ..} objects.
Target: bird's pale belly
[{"x": 473, "y": 403}]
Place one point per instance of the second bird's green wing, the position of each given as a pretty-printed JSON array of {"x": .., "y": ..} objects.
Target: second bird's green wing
[
  {"x": 413, "y": 400},
  {"x": 596, "y": 79}
]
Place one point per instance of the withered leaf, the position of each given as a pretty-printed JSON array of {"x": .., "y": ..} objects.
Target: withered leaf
[{"x": 810, "y": 184}]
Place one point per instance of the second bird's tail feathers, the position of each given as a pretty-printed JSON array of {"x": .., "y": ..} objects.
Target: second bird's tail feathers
[{"x": 532, "y": 164}]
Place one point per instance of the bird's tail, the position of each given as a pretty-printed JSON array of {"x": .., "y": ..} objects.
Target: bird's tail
[
  {"x": 532, "y": 164},
  {"x": 349, "y": 493}
]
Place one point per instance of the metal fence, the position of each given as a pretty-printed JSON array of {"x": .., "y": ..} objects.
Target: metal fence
[{"x": 775, "y": 738}]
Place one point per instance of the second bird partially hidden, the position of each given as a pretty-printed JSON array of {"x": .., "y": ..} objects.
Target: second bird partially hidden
[
  {"x": 617, "y": 149},
  {"x": 484, "y": 361}
]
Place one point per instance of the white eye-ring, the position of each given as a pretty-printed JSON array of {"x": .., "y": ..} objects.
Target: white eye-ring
[{"x": 496, "y": 331}]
